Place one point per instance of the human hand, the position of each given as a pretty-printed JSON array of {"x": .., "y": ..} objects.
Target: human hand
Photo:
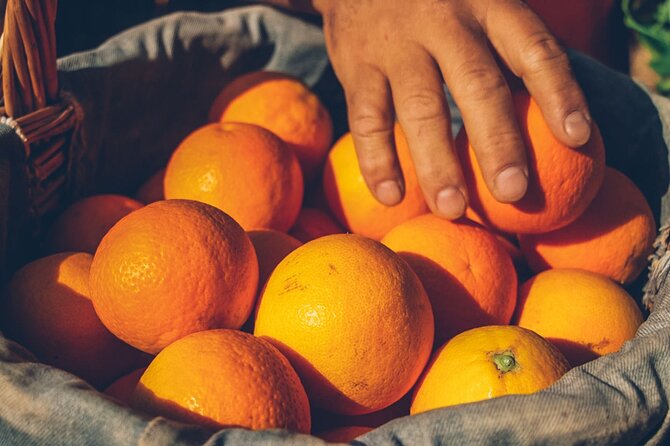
[{"x": 394, "y": 55}]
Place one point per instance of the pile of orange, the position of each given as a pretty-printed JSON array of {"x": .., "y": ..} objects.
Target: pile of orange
[{"x": 219, "y": 298}]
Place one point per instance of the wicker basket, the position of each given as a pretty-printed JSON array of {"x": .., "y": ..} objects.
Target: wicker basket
[{"x": 32, "y": 181}]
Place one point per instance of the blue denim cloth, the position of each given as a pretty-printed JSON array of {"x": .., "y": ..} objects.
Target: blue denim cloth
[{"x": 140, "y": 93}]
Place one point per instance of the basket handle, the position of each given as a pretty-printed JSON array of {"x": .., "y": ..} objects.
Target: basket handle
[{"x": 29, "y": 75}]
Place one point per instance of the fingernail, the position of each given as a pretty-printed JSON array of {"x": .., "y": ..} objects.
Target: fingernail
[
  {"x": 389, "y": 193},
  {"x": 578, "y": 127},
  {"x": 511, "y": 184},
  {"x": 450, "y": 202}
]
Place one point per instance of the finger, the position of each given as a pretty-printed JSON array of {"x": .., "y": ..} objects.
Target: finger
[
  {"x": 485, "y": 101},
  {"x": 533, "y": 54},
  {"x": 371, "y": 122},
  {"x": 423, "y": 113}
]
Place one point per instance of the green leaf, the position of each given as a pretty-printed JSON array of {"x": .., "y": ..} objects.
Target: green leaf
[{"x": 650, "y": 19}]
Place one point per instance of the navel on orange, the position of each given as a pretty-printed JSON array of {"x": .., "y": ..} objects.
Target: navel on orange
[{"x": 488, "y": 362}]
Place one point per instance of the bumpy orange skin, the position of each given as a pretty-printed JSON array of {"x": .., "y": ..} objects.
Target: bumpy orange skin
[
  {"x": 351, "y": 201},
  {"x": 49, "y": 311},
  {"x": 562, "y": 181},
  {"x": 343, "y": 434},
  {"x": 467, "y": 273},
  {"x": 122, "y": 389},
  {"x": 242, "y": 169},
  {"x": 170, "y": 269},
  {"x": 283, "y": 105},
  {"x": 463, "y": 370},
  {"x": 84, "y": 223},
  {"x": 314, "y": 223},
  {"x": 352, "y": 318},
  {"x": 224, "y": 378},
  {"x": 613, "y": 237},
  {"x": 271, "y": 247},
  {"x": 584, "y": 314},
  {"x": 152, "y": 189}
]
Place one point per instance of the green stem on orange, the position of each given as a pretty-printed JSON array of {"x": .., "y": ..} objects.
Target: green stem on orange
[{"x": 504, "y": 361}]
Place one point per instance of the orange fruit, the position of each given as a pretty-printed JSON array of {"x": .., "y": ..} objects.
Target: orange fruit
[
  {"x": 152, "y": 189},
  {"x": 85, "y": 222},
  {"x": 583, "y": 313},
  {"x": 170, "y": 269},
  {"x": 351, "y": 201},
  {"x": 224, "y": 378},
  {"x": 562, "y": 181},
  {"x": 271, "y": 248},
  {"x": 242, "y": 169},
  {"x": 312, "y": 224},
  {"x": 283, "y": 105},
  {"x": 343, "y": 434},
  {"x": 122, "y": 389},
  {"x": 473, "y": 216},
  {"x": 49, "y": 311},
  {"x": 613, "y": 237},
  {"x": 352, "y": 318},
  {"x": 467, "y": 273},
  {"x": 488, "y": 362}
]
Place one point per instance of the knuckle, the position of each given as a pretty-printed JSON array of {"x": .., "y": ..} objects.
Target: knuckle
[
  {"x": 478, "y": 82},
  {"x": 375, "y": 164},
  {"x": 369, "y": 122},
  {"x": 423, "y": 106},
  {"x": 543, "y": 52}
]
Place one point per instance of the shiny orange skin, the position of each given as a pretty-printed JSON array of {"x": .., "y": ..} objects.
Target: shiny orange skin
[
  {"x": 242, "y": 169},
  {"x": 352, "y": 318},
  {"x": 351, "y": 201},
  {"x": 84, "y": 223},
  {"x": 464, "y": 370},
  {"x": 49, "y": 311},
  {"x": 283, "y": 105},
  {"x": 170, "y": 269},
  {"x": 224, "y": 378},
  {"x": 467, "y": 273},
  {"x": 584, "y": 314},
  {"x": 613, "y": 237},
  {"x": 562, "y": 180}
]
